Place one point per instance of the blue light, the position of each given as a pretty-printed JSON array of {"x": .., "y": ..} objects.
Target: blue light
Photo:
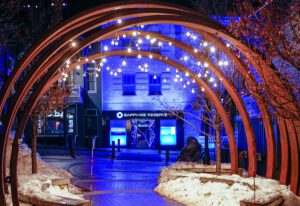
[
  {"x": 116, "y": 137},
  {"x": 118, "y": 133},
  {"x": 168, "y": 136}
]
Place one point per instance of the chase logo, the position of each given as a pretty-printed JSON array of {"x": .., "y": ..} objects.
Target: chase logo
[{"x": 119, "y": 115}]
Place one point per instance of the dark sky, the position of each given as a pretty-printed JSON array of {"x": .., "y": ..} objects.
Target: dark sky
[{"x": 76, "y": 6}]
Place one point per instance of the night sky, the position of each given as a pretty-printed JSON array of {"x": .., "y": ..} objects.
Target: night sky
[{"x": 76, "y": 6}]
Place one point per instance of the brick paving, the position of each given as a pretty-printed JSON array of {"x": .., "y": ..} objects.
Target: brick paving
[{"x": 114, "y": 182}]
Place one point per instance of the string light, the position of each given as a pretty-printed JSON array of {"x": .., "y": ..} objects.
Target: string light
[
  {"x": 159, "y": 43},
  {"x": 215, "y": 84},
  {"x": 129, "y": 50},
  {"x": 107, "y": 68},
  {"x": 134, "y": 33},
  {"x": 193, "y": 90},
  {"x": 187, "y": 74},
  {"x": 168, "y": 69},
  {"x": 202, "y": 89},
  {"x": 139, "y": 56},
  {"x": 205, "y": 44},
  {"x": 212, "y": 49},
  {"x": 188, "y": 33},
  {"x": 68, "y": 61},
  {"x": 205, "y": 64},
  {"x": 73, "y": 44},
  {"x": 124, "y": 63},
  {"x": 185, "y": 58},
  {"x": 150, "y": 56},
  {"x": 228, "y": 45},
  {"x": 105, "y": 48},
  {"x": 77, "y": 67},
  {"x": 165, "y": 80},
  {"x": 225, "y": 63},
  {"x": 199, "y": 74},
  {"x": 170, "y": 43},
  {"x": 140, "y": 41},
  {"x": 119, "y": 70},
  {"x": 119, "y": 21}
]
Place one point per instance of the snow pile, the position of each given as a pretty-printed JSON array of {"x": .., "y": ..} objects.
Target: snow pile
[
  {"x": 191, "y": 188},
  {"x": 24, "y": 163},
  {"x": 39, "y": 185}
]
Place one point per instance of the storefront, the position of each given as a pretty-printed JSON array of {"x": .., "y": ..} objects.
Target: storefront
[
  {"x": 54, "y": 128},
  {"x": 144, "y": 129}
]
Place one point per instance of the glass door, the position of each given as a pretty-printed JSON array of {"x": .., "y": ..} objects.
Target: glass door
[{"x": 142, "y": 133}]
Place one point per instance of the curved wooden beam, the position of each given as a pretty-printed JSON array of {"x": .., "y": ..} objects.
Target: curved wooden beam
[
  {"x": 265, "y": 113},
  {"x": 284, "y": 167},
  {"x": 294, "y": 155}
]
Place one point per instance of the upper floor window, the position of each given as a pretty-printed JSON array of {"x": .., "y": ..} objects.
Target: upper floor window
[
  {"x": 91, "y": 80},
  {"x": 154, "y": 84},
  {"x": 128, "y": 84}
]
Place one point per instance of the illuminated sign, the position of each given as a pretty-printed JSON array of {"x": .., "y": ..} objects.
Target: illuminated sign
[
  {"x": 56, "y": 114},
  {"x": 128, "y": 115},
  {"x": 168, "y": 136},
  {"x": 119, "y": 115},
  {"x": 118, "y": 133}
]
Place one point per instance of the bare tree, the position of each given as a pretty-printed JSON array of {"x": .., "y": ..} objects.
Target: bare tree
[{"x": 53, "y": 100}]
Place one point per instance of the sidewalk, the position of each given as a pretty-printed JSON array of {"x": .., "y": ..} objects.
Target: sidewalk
[{"x": 128, "y": 180}]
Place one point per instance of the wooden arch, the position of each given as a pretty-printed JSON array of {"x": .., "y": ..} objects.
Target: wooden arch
[{"x": 147, "y": 13}]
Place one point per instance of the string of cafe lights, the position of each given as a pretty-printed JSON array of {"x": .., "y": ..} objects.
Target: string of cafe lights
[{"x": 144, "y": 67}]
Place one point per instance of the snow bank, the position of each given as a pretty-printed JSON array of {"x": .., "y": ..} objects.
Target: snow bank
[
  {"x": 189, "y": 188},
  {"x": 38, "y": 185}
]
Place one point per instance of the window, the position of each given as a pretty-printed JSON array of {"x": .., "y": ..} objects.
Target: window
[
  {"x": 128, "y": 84},
  {"x": 154, "y": 84},
  {"x": 91, "y": 80}
]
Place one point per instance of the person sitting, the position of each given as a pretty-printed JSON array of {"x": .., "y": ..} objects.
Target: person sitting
[{"x": 192, "y": 152}]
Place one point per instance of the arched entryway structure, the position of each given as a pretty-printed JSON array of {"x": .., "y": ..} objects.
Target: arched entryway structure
[{"x": 54, "y": 49}]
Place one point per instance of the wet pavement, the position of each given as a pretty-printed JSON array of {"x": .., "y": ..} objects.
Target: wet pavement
[{"x": 123, "y": 181}]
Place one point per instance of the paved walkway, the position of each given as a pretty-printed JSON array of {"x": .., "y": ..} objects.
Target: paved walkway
[{"x": 114, "y": 182}]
